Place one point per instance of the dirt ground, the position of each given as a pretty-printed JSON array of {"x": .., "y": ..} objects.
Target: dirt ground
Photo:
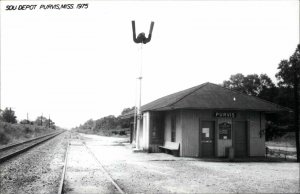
[{"x": 163, "y": 173}]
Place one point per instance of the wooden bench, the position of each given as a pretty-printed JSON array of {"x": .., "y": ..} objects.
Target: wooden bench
[{"x": 172, "y": 147}]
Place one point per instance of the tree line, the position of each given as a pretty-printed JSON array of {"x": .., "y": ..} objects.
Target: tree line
[
  {"x": 8, "y": 115},
  {"x": 285, "y": 93},
  {"x": 106, "y": 123},
  {"x": 263, "y": 87}
]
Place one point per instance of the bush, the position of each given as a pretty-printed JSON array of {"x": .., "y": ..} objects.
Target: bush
[
  {"x": 11, "y": 133},
  {"x": 4, "y": 139}
]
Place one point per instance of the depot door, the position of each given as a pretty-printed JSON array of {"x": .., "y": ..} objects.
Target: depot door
[
  {"x": 240, "y": 139},
  {"x": 207, "y": 139}
]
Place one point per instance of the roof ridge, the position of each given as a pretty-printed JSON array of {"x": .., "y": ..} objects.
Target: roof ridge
[
  {"x": 198, "y": 87},
  {"x": 266, "y": 101}
]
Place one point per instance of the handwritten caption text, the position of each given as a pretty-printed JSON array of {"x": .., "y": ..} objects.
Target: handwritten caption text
[{"x": 47, "y": 7}]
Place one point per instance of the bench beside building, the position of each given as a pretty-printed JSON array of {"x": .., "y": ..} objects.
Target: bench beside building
[{"x": 205, "y": 121}]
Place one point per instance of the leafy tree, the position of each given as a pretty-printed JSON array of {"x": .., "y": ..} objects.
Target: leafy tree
[
  {"x": 287, "y": 69},
  {"x": 41, "y": 120},
  {"x": 49, "y": 123},
  {"x": 267, "y": 89},
  {"x": 289, "y": 77},
  {"x": 106, "y": 123},
  {"x": 8, "y": 116},
  {"x": 127, "y": 110},
  {"x": 253, "y": 84},
  {"x": 89, "y": 124},
  {"x": 235, "y": 82},
  {"x": 125, "y": 123}
]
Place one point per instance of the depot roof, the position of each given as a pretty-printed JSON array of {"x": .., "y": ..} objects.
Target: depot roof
[{"x": 211, "y": 96}]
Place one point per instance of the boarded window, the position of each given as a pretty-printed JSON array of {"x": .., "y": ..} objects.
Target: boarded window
[{"x": 173, "y": 128}]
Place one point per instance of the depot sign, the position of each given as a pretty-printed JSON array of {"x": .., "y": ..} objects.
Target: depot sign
[{"x": 225, "y": 114}]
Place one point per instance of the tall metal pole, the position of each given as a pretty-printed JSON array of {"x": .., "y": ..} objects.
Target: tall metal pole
[
  {"x": 139, "y": 116},
  {"x": 134, "y": 117},
  {"x": 140, "y": 39}
]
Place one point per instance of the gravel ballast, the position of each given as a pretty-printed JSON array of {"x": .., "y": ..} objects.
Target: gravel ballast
[{"x": 37, "y": 170}]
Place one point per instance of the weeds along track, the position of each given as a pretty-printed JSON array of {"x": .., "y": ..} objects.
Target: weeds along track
[
  {"x": 9, "y": 151},
  {"x": 62, "y": 188}
]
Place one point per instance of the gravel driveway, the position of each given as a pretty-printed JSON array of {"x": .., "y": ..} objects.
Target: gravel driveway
[{"x": 163, "y": 173}]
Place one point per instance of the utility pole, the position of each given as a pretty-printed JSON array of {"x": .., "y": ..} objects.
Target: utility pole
[
  {"x": 296, "y": 68},
  {"x": 297, "y": 93},
  {"x": 42, "y": 120},
  {"x": 0, "y": 79},
  {"x": 49, "y": 122},
  {"x": 295, "y": 62},
  {"x": 9, "y": 118},
  {"x": 296, "y": 108},
  {"x": 27, "y": 119},
  {"x": 140, "y": 39}
]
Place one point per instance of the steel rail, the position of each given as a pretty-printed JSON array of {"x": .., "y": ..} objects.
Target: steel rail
[
  {"x": 105, "y": 171},
  {"x": 9, "y": 146},
  {"x": 9, "y": 156},
  {"x": 61, "y": 185}
]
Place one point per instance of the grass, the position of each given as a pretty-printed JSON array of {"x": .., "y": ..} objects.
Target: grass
[
  {"x": 11, "y": 133},
  {"x": 287, "y": 140},
  {"x": 282, "y": 143}
]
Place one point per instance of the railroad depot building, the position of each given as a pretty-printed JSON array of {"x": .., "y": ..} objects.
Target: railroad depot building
[{"x": 205, "y": 121}]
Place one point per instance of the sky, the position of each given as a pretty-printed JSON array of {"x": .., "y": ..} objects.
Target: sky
[{"x": 80, "y": 64}]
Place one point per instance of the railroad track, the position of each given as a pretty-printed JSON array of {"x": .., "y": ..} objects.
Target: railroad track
[
  {"x": 105, "y": 172},
  {"x": 12, "y": 150}
]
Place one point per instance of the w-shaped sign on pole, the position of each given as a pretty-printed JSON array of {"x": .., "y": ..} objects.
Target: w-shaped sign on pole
[{"x": 141, "y": 38}]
